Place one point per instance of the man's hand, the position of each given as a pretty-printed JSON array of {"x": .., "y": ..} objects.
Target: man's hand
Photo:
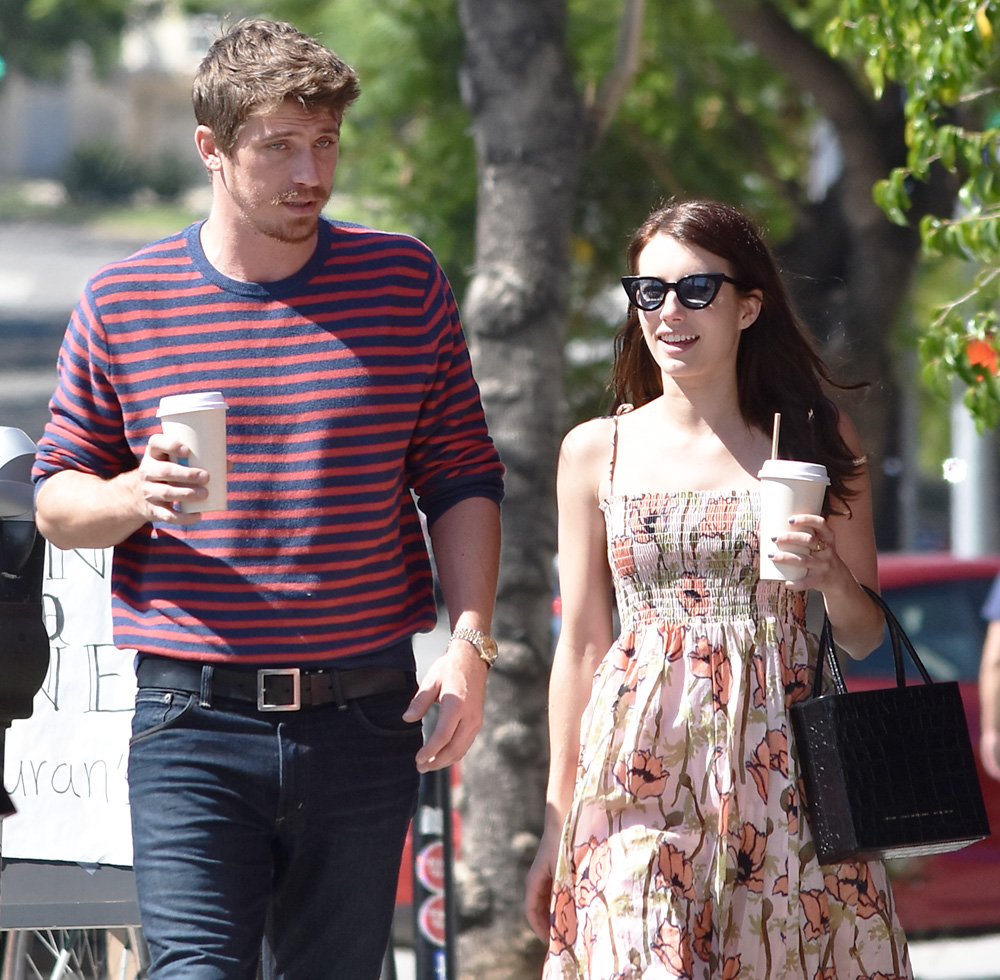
[
  {"x": 74, "y": 509},
  {"x": 457, "y": 682},
  {"x": 161, "y": 483}
]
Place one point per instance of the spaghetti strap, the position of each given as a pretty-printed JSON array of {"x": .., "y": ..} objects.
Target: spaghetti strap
[
  {"x": 614, "y": 456},
  {"x": 622, "y": 409}
]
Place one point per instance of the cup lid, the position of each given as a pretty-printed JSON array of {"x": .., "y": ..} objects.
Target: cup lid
[
  {"x": 192, "y": 401},
  {"x": 793, "y": 469}
]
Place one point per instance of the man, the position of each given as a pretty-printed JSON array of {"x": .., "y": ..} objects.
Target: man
[
  {"x": 276, "y": 742},
  {"x": 989, "y": 685}
]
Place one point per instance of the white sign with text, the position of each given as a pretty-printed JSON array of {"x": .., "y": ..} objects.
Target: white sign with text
[{"x": 65, "y": 766}]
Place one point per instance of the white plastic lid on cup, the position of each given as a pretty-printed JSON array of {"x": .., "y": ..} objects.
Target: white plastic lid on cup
[
  {"x": 195, "y": 401},
  {"x": 793, "y": 469}
]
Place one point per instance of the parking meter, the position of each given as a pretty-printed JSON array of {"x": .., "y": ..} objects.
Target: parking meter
[{"x": 24, "y": 643}]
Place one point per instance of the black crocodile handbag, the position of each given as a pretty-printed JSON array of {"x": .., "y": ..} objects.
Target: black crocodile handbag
[{"x": 890, "y": 772}]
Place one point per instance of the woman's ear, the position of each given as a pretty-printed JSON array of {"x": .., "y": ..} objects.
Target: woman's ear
[{"x": 750, "y": 305}]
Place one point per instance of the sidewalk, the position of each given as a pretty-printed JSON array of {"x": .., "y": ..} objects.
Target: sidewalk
[
  {"x": 971, "y": 958},
  {"x": 974, "y": 958}
]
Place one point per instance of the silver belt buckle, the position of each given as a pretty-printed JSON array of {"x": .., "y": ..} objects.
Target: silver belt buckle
[{"x": 263, "y": 704}]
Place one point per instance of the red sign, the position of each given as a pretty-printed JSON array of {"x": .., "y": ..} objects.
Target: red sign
[
  {"x": 431, "y": 920},
  {"x": 430, "y": 867}
]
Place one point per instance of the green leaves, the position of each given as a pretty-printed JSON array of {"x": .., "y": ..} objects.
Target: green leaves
[{"x": 944, "y": 55}]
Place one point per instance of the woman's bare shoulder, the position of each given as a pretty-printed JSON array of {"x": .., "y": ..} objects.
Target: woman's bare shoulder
[{"x": 589, "y": 441}]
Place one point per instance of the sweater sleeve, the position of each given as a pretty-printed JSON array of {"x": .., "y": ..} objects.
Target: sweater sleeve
[
  {"x": 451, "y": 456},
  {"x": 85, "y": 430}
]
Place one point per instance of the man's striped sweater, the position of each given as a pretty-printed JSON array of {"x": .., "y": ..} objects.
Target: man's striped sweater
[{"x": 349, "y": 386}]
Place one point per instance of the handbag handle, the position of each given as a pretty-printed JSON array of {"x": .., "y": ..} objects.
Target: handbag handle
[{"x": 897, "y": 637}]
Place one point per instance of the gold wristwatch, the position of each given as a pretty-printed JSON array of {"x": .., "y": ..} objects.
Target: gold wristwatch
[{"x": 483, "y": 642}]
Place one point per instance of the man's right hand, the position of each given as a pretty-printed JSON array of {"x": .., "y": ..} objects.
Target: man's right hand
[
  {"x": 160, "y": 483},
  {"x": 74, "y": 509}
]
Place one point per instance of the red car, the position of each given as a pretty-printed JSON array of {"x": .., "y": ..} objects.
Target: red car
[{"x": 937, "y": 599}]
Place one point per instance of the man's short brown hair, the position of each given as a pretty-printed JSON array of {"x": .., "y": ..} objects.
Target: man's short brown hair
[{"x": 255, "y": 66}]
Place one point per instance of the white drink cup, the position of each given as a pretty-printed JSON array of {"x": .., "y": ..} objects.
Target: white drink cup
[
  {"x": 198, "y": 420},
  {"x": 787, "y": 487}
]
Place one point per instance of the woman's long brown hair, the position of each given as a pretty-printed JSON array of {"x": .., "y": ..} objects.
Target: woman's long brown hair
[{"x": 777, "y": 369}]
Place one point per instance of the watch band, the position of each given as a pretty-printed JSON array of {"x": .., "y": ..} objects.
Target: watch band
[{"x": 483, "y": 642}]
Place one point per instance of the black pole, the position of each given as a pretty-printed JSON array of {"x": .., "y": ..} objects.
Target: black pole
[{"x": 433, "y": 879}]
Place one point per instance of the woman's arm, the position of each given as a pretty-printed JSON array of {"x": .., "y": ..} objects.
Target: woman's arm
[
  {"x": 584, "y": 638},
  {"x": 989, "y": 697},
  {"x": 842, "y": 555}
]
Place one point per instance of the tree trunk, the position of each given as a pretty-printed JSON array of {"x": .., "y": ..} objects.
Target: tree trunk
[
  {"x": 528, "y": 129},
  {"x": 850, "y": 267}
]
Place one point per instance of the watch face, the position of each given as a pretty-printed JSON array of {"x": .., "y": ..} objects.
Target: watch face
[{"x": 489, "y": 649}]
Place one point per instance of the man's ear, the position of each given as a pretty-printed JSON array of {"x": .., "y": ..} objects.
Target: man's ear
[{"x": 204, "y": 141}]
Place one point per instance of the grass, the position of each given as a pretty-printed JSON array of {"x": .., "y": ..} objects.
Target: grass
[{"x": 146, "y": 217}]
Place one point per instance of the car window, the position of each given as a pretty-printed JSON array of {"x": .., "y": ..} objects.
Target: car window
[{"x": 943, "y": 621}]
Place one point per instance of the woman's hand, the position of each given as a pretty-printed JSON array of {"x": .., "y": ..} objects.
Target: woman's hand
[
  {"x": 813, "y": 535},
  {"x": 538, "y": 887}
]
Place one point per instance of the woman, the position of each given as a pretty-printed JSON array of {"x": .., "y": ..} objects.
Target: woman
[{"x": 674, "y": 843}]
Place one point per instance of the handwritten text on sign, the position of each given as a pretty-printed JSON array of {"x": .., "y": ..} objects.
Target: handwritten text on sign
[{"x": 66, "y": 766}]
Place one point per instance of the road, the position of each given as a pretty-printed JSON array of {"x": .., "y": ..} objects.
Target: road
[{"x": 43, "y": 269}]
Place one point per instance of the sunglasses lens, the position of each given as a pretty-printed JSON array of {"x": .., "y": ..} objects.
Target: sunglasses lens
[
  {"x": 649, "y": 293},
  {"x": 696, "y": 292}
]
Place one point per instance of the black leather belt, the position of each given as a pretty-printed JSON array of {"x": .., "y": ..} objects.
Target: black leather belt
[{"x": 275, "y": 688}]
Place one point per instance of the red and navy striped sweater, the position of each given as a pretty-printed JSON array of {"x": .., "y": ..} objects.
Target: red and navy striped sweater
[{"x": 348, "y": 385}]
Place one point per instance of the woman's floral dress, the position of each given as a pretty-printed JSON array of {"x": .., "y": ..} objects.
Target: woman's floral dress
[{"x": 685, "y": 852}]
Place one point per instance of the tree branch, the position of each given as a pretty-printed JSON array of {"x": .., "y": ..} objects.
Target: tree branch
[
  {"x": 622, "y": 74},
  {"x": 837, "y": 95}
]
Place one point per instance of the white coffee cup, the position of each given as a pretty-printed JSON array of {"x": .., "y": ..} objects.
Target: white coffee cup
[
  {"x": 787, "y": 487},
  {"x": 198, "y": 419}
]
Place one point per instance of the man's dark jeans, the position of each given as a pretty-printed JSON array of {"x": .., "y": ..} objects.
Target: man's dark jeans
[{"x": 294, "y": 819}]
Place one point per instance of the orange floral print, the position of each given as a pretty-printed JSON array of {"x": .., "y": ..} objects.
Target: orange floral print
[
  {"x": 701, "y": 658},
  {"x": 673, "y": 946},
  {"x": 777, "y": 741},
  {"x": 748, "y": 856},
  {"x": 593, "y": 864},
  {"x": 760, "y": 686},
  {"x": 702, "y": 943},
  {"x": 797, "y": 609},
  {"x": 817, "y": 911},
  {"x": 675, "y": 871},
  {"x": 730, "y": 968},
  {"x": 829, "y": 973},
  {"x": 790, "y": 804},
  {"x": 693, "y": 594},
  {"x": 722, "y": 679},
  {"x": 759, "y": 764},
  {"x": 622, "y": 556},
  {"x": 673, "y": 640},
  {"x": 562, "y": 920},
  {"x": 794, "y": 677},
  {"x": 712, "y": 662},
  {"x": 642, "y": 774},
  {"x": 852, "y": 885},
  {"x": 643, "y": 519},
  {"x": 720, "y": 515}
]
